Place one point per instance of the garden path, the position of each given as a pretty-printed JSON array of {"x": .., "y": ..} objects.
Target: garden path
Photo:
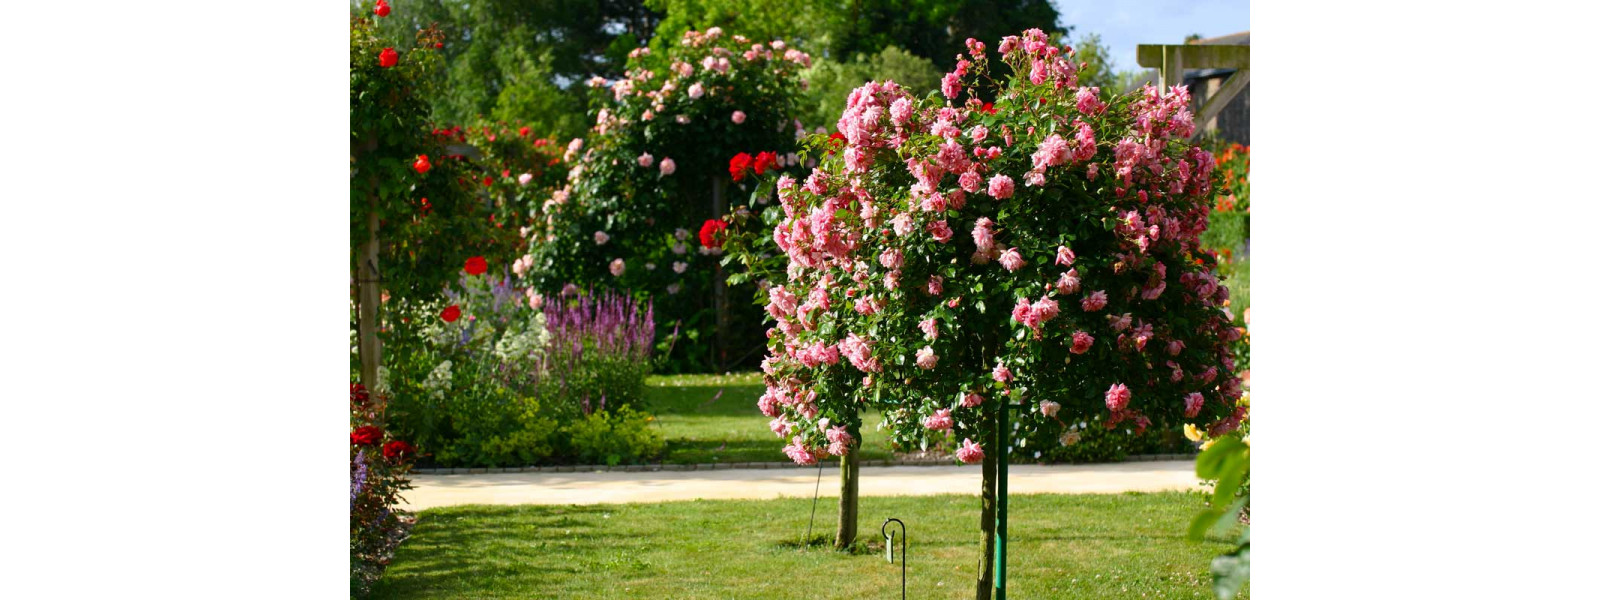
[{"x": 621, "y": 487}]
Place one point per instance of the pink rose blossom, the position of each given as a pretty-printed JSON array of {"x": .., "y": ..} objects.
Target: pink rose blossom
[
  {"x": 600, "y": 238},
  {"x": 938, "y": 421},
  {"x": 892, "y": 258},
  {"x": 839, "y": 440},
  {"x": 738, "y": 117},
  {"x": 970, "y": 400},
  {"x": 1011, "y": 260},
  {"x": 969, "y": 452},
  {"x": 940, "y": 230},
  {"x": 617, "y": 267},
  {"x": 1081, "y": 341},
  {"x": 696, "y": 90},
  {"x": 1048, "y": 408},
  {"x": 668, "y": 166},
  {"x": 1064, "y": 256},
  {"x": 926, "y": 359},
  {"x": 1117, "y": 397},
  {"x": 930, "y": 328},
  {"x": 935, "y": 285},
  {"x": 1192, "y": 404},
  {"x": 1001, "y": 187},
  {"x": 1174, "y": 347},
  {"x": 524, "y": 178},
  {"x": 645, "y": 160},
  {"x": 970, "y": 181},
  {"x": 983, "y": 235},
  {"x": 1096, "y": 300},
  {"x": 1001, "y": 373},
  {"x": 1045, "y": 309},
  {"x": 1068, "y": 283}
]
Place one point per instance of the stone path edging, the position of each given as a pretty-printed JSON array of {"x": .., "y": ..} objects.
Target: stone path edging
[{"x": 902, "y": 462}]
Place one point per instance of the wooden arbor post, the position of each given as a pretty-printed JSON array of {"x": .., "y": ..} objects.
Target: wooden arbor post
[{"x": 1171, "y": 60}]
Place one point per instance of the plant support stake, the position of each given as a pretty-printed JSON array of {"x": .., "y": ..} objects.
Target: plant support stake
[
  {"x": 1000, "y": 507},
  {"x": 889, "y": 535}
]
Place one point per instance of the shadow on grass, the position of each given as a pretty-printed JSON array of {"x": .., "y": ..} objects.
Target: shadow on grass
[{"x": 481, "y": 543}]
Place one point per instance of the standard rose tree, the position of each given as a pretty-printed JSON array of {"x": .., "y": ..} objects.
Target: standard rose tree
[{"x": 950, "y": 255}]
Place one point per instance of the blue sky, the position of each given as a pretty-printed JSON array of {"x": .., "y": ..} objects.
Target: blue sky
[{"x": 1124, "y": 24}]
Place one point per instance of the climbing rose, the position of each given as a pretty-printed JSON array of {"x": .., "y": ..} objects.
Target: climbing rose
[
  {"x": 388, "y": 58},
  {"x": 524, "y": 131},
  {"x": 601, "y": 237},
  {"x": 1117, "y": 397},
  {"x": 711, "y": 233},
  {"x": 383, "y": 8},
  {"x": 1001, "y": 373},
  {"x": 764, "y": 161},
  {"x": 938, "y": 421},
  {"x": 524, "y": 178},
  {"x": 422, "y": 165},
  {"x": 930, "y": 328},
  {"x": 1064, "y": 256},
  {"x": 1192, "y": 404},
  {"x": 668, "y": 167},
  {"x": 366, "y": 435},
  {"x": 969, "y": 452},
  {"x": 926, "y": 359},
  {"x": 476, "y": 266},
  {"x": 738, "y": 117},
  {"x": 358, "y": 394},
  {"x": 450, "y": 313},
  {"x": 397, "y": 449},
  {"x": 645, "y": 160},
  {"x": 970, "y": 400}
]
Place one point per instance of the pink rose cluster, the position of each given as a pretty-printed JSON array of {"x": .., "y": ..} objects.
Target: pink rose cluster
[{"x": 911, "y": 237}]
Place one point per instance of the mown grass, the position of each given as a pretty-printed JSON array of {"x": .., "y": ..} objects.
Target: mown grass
[
  {"x": 1061, "y": 546},
  {"x": 713, "y": 418}
]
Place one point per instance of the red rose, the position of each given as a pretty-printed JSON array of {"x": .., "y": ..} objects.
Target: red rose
[
  {"x": 438, "y": 45},
  {"x": 711, "y": 233},
  {"x": 366, "y": 435},
  {"x": 524, "y": 131},
  {"x": 487, "y": 181},
  {"x": 739, "y": 165},
  {"x": 397, "y": 449},
  {"x": 988, "y": 107},
  {"x": 764, "y": 161},
  {"x": 382, "y": 10},
  {"x": 450, "y": 313},
  {"x": 388, "y": 58},
  {"x": 836, "y": 138},
  {"x": 422, "y": 165},
  {"x": 358, "y": 394},
  {"x": 477, "y": 265},
  {"x": 426, "y": 207}
]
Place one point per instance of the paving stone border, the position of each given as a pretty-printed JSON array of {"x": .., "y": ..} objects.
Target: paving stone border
[{"x": 896, "y": 462}]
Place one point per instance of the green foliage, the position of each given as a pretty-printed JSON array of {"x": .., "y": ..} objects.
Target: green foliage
[
  {"x": 377, "y": 525},
  {"x": 1098, "y": 69},
  {"x": 937, "y": 30},
  {"x": 622, "y": 436},
  {"x": 1227, "y": 461},
  {"x": 1090, "y": 441},
  {"x": 807, "y": 24},
  {"x": 832, "y": 81}
]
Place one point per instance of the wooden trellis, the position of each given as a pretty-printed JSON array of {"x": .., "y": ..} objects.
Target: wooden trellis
[{"x": 1170, "y": 60}]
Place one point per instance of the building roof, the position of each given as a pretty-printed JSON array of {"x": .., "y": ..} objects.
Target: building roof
[{"x": 1233, "y": 39}]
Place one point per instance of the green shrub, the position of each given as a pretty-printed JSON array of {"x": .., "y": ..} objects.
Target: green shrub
[{"x": 612, "y": 438}]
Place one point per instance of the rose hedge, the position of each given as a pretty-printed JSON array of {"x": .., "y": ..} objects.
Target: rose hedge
[{"x": 1043, "y": 250}]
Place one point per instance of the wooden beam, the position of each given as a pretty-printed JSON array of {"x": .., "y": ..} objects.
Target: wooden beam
[
  {"x": 1224, "y": 95},
  {"x": 1194, "y": 57}
]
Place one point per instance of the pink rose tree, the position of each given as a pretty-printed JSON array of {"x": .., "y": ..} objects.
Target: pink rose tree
[
  {"x": 654, "y": 170},
  {"x": 1075, "y": 272}
]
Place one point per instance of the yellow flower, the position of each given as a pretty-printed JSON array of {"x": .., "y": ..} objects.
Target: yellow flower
[
  {"x": 1206, "y": 445},
  {"x": 1245, "y": 399},
  {"x": 1191, "y": 432}
]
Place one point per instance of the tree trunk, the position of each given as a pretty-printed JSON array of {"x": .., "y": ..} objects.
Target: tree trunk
[
  {"x": 369, "y": 296},
  {"x": 719, "y": 280},
  {"x": 991, "y": 467},
  {"x": 849, "y": 498}
]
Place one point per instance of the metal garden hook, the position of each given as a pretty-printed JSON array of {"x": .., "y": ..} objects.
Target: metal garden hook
[{"x": 889, "y": 535}]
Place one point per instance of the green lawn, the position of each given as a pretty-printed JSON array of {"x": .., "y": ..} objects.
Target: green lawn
[
  {"x": 1061, "y": 546},
  {"x": 702, "y": 427}
]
